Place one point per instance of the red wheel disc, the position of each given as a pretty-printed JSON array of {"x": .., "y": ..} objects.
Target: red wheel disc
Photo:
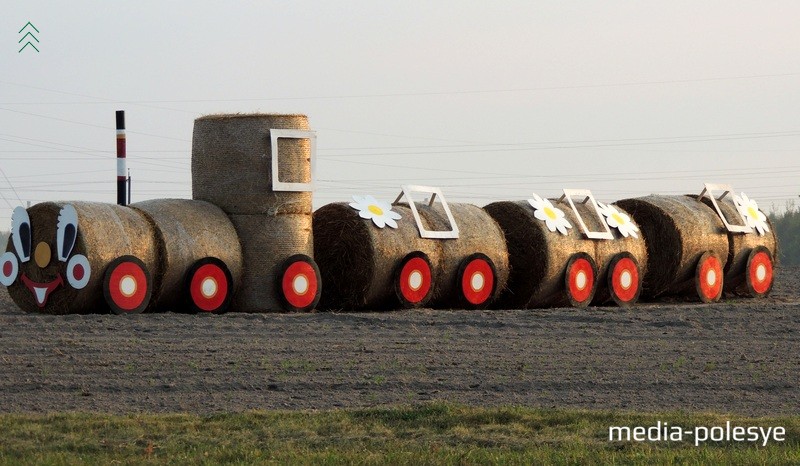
[
  {"x": 580, "y": 279},
  {"x": 300, "y": 283},
  {"x": 709, "y": 278},
  {"x": 127, "y": 285},
  {"x": 477, "y": 279},
  {"x": 759, "y": 272},
  {"x": 625, "y": 282},
  {"x": 415, "y": 280},
  {"x": 209, "y": 286}
]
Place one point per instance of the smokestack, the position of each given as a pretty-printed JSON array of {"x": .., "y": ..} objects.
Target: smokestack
[{"x": 122, "y": 198}]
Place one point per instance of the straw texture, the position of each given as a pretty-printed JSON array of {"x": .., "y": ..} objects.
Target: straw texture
[
  {"x": 478, "y": 233},
  {"x": 266, "y": 243},
  {"x": 739, "y": 247},
  {"x": 677, "y": 231},
  {"x": 187, "y": 231},
  {"x": 537, "y": 256},
  {"x": 105, "y": 232},
  {"x": 606, "y": 250},
  {"x": 357, "y": 260},
  {"x": 231, "y": 164}
]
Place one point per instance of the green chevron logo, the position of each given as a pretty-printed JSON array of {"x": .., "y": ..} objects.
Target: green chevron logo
[{"x": 29, "y": 35}]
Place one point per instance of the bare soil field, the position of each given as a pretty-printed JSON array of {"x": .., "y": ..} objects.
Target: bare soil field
[{"x": 740, "y": 356}]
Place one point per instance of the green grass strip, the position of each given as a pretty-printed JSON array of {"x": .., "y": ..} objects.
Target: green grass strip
[{"x": 427, "y": 434}]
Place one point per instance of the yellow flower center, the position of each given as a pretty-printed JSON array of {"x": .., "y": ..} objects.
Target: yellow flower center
[
  {"x": 375, "y": 209},
  {"x": 618, "y": 218},
  {"x": 551, "y": 214},
  {"x": 752, "y": 213}
]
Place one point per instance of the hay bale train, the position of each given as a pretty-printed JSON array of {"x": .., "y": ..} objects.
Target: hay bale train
[{"x": 248, "y": 241}]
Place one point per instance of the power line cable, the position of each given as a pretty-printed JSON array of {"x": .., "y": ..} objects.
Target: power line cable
[
  {"x": 11, "y": 185},
  {"x": 92, "y": 125},
  {"x": 427, "y": 93}
]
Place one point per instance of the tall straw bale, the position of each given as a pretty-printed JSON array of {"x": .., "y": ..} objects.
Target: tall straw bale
[{"x": 231, "y": 163}]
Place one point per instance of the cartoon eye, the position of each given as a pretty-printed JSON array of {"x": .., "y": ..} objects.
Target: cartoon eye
[
  {"x": 8, "y": 268},
  {"x": 78, "y": 271},
  {"x": 67, "y": 231},
  {"x": 21, "y": 233}
]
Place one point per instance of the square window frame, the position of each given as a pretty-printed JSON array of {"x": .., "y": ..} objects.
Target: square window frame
[
  {"x": 588, "y": 196},
  {"x": 708, "y": 190},
  {"x": 406, "y": 191},
  {"x": 287, "y": 186}
]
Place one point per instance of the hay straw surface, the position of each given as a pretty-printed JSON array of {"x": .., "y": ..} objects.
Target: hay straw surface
[
  {"x": 231, "y": 163},
  {"x": 266, "y": 243},
  {"x": 105, "y": 232},
  {"x": 739, "y": 247},
  {"x": 606, "y": 250},
  {"x": 538, "y": 257},
  {"x": 478, "y": 232},
  {"x": 677, "y": 231},
  {"x": 188, "y": 231},
  {"x": 357, "y": 260}
]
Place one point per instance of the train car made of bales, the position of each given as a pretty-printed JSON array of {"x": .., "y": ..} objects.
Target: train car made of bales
[
  {"x": 373, "y": 254},
  {"x": 87, "y": 257},
  {"x": 554, "y": 263},
  {"x": 258, "y": 169},
  {"x": 687, "y": 245},
  {"x": 752, "y": 245}
]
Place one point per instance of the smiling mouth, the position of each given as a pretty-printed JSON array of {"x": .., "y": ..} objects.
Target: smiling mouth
[{"x": 41, "y": 291}]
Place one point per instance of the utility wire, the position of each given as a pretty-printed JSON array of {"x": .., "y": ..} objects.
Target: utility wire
[{"x": 416, "y": 94}]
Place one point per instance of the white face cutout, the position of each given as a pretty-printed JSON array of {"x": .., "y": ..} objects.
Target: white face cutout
[
  {"x": 9, "y": 268},
  {"x": 67, "y": 231},
  {"x": 21, "y": 233}
]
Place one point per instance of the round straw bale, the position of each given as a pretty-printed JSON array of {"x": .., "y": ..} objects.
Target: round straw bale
[
  {"x": 105, "y": 233},
  {"x": 267, "y": 242},
  {"x": 677, "y": 231},
  {"x": 739, "y": 247},
  {"x": 478, "y": 233},
  {"x": 358, "y": 260},
  {"x": 537, "y": 256},
  {"x": 186, "y": 232},
  {"x": 231, "y": 163}
]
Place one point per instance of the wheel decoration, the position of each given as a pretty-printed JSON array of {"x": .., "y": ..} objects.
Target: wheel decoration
[
  {"x": 127, "y": 285},
  {"x": 78, "y": 271},
  {"x": 9, "y": 268},
  {"x": 580, "y": 279},
  {"x": 624, "y": 279},
  {"x": 414, "y": 280},
  {"x": 477, "y": 277},
  {"x": 210, "y": 285},
  {"x": 760, "y": 274},
  {"x": 708, "y": 278},
  {"x": 299, "y": 283}
]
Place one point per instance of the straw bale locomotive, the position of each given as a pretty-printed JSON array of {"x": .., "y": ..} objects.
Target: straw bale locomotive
[{"x": 248, "y": 241}]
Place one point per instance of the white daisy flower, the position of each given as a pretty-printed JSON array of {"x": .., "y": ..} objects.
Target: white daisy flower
[
  {"x": 380, "y": 212},
  {"x": 553, "y": 217},
  {"x": 752, "y": 215},
  {"x": 619, "y": 220}
]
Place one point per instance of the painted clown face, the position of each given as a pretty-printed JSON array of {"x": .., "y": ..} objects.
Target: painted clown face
[{"x": 40, "y": 260}]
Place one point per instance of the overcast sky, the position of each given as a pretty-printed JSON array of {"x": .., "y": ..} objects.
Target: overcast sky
[{"x": 488, "y": 100}]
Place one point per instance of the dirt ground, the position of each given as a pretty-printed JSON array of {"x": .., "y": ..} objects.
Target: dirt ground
[{"x": 739, "y": 356}]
